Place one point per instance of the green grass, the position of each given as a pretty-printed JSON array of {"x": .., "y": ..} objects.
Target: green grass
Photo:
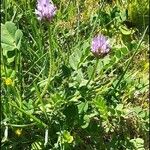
[{"x": 56, "y": 95}]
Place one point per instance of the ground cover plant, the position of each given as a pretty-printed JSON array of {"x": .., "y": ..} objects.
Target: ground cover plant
[{"x": 74, "y": 75}]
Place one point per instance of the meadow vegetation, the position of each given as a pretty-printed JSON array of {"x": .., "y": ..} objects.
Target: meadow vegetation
[{"x": 56, "y": 95}]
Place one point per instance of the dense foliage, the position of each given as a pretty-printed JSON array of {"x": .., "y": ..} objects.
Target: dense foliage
[{"x": 56, "y": 94}]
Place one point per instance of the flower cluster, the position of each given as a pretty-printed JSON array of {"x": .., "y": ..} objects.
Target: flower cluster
[
  {"x": 100, "y": 46},
  {"x": 45, "y": 10}
]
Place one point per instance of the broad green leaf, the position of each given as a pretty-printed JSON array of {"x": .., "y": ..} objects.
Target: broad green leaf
[
  {"x": 18, "y": 36},
  {"x": 10, "y": 39},
  {"x": 8, "y": 34},
  {"x": 6, "y": 46}
]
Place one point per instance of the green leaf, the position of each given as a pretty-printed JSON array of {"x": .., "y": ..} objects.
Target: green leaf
[
  {"x": 83, "y": 83},
  {"x": 18, "y": 36},
  {"x": 7, "y": 48},
  {"x": 124, "y": 30},
  {"x": 78, "y": 54},
  {"x": 137, "y": 109},
  {"x": 85, "y": 46},
  {"x": 11, "y": 28},
  {"x": 118, "y": 54},
  {"x": 8, "y": 34},
  {"x": 66, "y": 137},
  {"x": 79, "y": 76},
  {"x": 90, "y": 70},
  {"x": 101, "y": 106},
  {"x": 106, "y": 60},
  {"x": 86, "y": 121},
  {"x": 10, "y": 39},
  {"x": 123, "y": 15},
  {"x": 124, "y": 50},
  {"x": 82, "y": 107},
  {"x": 75, "y": 58},
  {"x": 119, "y": 107},
  {"x": 73, "y": 62},
  {"x": 11, "y": 59},
  {"x": 138, "y": 143},
  {"x": 99, "y": 66}
]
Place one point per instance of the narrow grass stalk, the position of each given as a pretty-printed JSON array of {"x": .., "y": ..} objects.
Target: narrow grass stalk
[
  {"x": 38, "y": 121},
  {"x": 40, "y": 99},
  {"x": 3, "y": 63},
  {"x": 93, "y": 73},
  {"x": 5, "y": 9},
  {"x": 18, "y": 97},
  {"x": 46, "y": 137},
  {"x": 35, "y": 30},
  {"x": 129, "y": 62},
  {"x": 50, "y": 64},
  {"x": 78, "y": 19},
  {"x": 20, "y": 125},
  {"x": 5, "y": 138},
  {"x": 34, "y": 64},
  {"x": 37, "y": 77}
]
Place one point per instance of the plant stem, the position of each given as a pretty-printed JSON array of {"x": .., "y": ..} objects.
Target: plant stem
[
  {"x": 21, "y": 125},
  {"x": 38, "y": 121},
  {"x": 93, "y": 73},
  {"x": 41, "y": 101},
  {"x": 139, "y": 44},
  {"x": 50, "y": 64}
]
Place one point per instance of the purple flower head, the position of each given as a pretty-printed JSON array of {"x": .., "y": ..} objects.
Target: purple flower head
[
  {"x": 45, "y": 10},
  {"x": 100, "y": 46}
]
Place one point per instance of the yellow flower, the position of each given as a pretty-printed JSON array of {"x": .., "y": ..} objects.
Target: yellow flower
[
  {"x": 18, "y": 132},
  {"x": 8, "y": 81}
]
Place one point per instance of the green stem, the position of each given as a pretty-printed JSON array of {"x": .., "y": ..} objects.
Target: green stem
[
  {"x": 50, "y": 65},
  {"x": 78, "y": 19},
  {"x": 35, "y": 63},
  {"x": 38, "y": 121},
  {"x": 20, "y": 125},
  {"x": 93, "y": 73},
  {"x": 121, "y": 77},
  {"x": 41, "y": 101}
]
